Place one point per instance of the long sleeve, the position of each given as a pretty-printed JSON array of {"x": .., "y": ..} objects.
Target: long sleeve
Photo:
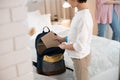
[{"x": 80, "y": 34}]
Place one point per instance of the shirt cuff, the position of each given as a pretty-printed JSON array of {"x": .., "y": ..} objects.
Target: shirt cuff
[
  {"x": 75, "y": 46},
  {"x": 66, "y": 38}
]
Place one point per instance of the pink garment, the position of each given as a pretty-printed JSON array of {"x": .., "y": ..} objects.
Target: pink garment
[{"x": 104, "y": 12}]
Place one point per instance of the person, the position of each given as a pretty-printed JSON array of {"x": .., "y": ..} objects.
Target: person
[
  {"x": 107, "y": 13},
  {"x": 79, "y": 39}
]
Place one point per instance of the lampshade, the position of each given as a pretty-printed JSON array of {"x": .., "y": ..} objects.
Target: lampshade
[
  {"x": 75, "y": 9},
  {"x": 66, "y": 4}
]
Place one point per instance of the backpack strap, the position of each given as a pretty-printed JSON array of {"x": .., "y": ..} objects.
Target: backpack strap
[{"x": 45, "y": 28}]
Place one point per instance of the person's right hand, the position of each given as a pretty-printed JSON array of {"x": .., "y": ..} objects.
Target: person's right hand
[{"x": 118, "y": 2}]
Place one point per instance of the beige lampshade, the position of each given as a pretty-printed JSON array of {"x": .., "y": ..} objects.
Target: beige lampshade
[{"x": 66, "y": 4}]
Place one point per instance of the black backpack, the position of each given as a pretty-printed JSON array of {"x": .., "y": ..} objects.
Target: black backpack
[{"x": 50, "y": 61}]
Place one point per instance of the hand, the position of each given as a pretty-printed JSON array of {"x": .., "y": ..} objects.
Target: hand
[
  {"x": 62, "y": 45},
  {"x": 118, "y": 2}
]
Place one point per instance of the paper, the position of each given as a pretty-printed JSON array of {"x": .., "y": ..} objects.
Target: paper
[{"x": 49, "y": 40}]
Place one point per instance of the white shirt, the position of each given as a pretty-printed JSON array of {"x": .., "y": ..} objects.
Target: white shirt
[{"x": 80, "y": 34}]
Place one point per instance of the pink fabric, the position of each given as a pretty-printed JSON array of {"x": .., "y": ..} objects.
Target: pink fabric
[{"x": 103, "y": 12}]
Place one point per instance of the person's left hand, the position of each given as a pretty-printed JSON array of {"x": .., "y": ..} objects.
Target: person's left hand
[
  {"x": 62, "y": 45},
  {"x": 118, "y": 2}
]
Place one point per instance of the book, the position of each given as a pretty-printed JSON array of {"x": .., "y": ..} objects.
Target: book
[{"x": 49, "y": 40}]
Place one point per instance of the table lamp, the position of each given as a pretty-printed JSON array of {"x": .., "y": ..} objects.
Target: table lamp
[{"x": 65, "y": 5}]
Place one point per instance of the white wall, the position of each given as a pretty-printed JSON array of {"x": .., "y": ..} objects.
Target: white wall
[
  {"x": 33, "y": 5},
  {"x": 15, "y": 59}
]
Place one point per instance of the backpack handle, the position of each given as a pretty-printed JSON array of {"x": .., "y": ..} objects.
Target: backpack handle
[{"x": 47, "y": 29}]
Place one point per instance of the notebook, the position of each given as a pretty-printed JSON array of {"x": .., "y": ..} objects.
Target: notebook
[{"x": 49, "y": 41}]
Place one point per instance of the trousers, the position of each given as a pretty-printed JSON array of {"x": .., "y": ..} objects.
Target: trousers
[
  {"x": 115, "y": 26},
  {"x": 81, "y": 67}
]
